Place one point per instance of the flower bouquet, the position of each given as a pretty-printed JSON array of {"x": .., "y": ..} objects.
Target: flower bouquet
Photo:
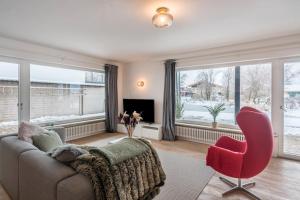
[{"x": 130, "y": 121}]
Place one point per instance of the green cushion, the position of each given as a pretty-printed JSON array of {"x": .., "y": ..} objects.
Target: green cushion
[{"x": 46, "y": 142}]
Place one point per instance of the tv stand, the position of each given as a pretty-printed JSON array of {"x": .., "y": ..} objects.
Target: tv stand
[{"x": 145, "y": 130}]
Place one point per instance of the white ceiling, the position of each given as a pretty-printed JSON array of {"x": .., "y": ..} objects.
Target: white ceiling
[{"x": 122, "y": 29}]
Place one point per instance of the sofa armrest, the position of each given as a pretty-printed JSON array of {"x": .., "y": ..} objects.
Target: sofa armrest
[
  {"x": 8, "y": 135},
  {"x": 10, "y": 150},
  {"x": 229, "y": 143},
  {"x": 39, "y": 175},
  {"x": 77, "y": 187}
]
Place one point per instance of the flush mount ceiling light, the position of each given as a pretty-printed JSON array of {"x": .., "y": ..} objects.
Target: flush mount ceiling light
[{"x": 162, "y": 18}]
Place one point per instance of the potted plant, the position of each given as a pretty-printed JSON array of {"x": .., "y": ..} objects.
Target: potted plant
[
  {"x": 215, "y": 111},
  {"x": 130, "y": 121}
]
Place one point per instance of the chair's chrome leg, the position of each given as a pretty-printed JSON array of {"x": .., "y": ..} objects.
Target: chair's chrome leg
[
  {"x": 250, "y": 194},
  {"x": 228, "y": 182},
  {"x": 239, "y": 187},
  {"x": 248, "y": 185},
  {"x": 230, "y": 191}
]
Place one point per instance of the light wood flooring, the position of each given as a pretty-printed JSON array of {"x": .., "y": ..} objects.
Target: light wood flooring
[{"x": 279, "y": 181}]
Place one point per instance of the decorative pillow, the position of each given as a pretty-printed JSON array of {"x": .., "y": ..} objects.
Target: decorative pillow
[
  {"x": 66, "y": 153},
  {"x": 47, "y": 141},
  {"x": 27, "y": 130}
]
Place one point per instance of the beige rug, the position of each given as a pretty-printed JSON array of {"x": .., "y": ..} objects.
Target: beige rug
[{"x": 186, "y": 176}]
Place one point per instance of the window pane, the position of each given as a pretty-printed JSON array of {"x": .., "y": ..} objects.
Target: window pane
[
  {"x": 205, "y": 87},
  {"x": 9, "y": 85},
  {"x": 292, "y": 108},
  {"x": 59, "y": 94},
  {"x": 256, "y": 82}
]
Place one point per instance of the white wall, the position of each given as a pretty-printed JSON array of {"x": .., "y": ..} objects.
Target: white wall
[{"x": 152, "y": 73}]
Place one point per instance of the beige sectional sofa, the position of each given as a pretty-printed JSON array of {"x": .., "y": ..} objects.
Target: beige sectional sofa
[{"x": 27, "y": 173}]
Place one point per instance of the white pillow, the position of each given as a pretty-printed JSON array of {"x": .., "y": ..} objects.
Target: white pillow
[{"x": 27, "y": 130}]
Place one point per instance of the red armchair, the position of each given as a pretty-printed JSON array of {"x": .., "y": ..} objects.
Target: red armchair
[{"x": 243, "y": 159}]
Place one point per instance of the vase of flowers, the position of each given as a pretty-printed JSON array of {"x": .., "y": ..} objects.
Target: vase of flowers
[
  {"x": 215, "y": 111},
  {"x": 130, "y": 121}
]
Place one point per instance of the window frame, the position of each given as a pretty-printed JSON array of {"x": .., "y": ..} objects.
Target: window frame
[
  {"x": 279, "y": 117},
  {"x": 19, "y": 105}
]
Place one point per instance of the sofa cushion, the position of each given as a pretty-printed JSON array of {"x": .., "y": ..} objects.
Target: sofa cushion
[
  {"x": 10, "y": 149},
  {"x": 60, "y": 131},
  {"x": 46, "y": 142},
  {"x": 27, "y": 130}
]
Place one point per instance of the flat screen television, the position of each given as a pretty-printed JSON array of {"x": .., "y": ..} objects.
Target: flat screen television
[{"x": 143, "y": 106}]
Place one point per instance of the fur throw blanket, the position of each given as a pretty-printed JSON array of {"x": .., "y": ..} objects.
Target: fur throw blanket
[{"x": 127, "y": 170}]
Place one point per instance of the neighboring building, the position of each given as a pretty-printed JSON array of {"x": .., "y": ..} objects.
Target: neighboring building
[
  {"x": 292, "y": 90},
  {"x": 199, "y": 89}
]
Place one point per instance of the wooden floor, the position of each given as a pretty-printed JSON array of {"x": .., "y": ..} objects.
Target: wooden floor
[{"x": 280, "y": 181}]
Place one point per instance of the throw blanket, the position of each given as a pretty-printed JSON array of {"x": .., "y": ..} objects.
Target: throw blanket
[{"x": 127, "y": 170}]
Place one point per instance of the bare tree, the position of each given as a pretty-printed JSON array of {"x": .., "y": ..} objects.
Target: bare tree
[
  {"x": 256, "y": 83},
  {"x": 180, "y": 82},
  {"x": 290, "y": 72},
  {"x": 206, "y": 79},
  {"x": 183, "y": 78}
]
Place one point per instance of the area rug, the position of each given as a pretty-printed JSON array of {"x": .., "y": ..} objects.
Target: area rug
[{"x": 186, "y": 176}]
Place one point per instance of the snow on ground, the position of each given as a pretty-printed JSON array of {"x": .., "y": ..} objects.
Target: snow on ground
[
  {"x": 223, "y": 118},
  {"x": 52, "y": 119},
  {"x": 9, "y": 127},
  {"x": 291, "y": 144}
]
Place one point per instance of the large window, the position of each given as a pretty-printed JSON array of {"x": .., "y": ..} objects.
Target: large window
[
  {"x": 205, "y": 87},
  {"x": 62, "y": 95},
  {"x": 234, "y": 87},
  {"x": 9, "y": 86}
]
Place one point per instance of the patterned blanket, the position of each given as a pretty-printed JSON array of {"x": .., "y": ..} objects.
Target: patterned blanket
[{"x": 127, "y": 170}]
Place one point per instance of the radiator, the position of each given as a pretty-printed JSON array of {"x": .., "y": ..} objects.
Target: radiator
[
  {"x": 81, "y": 130},
  {"x": 204, "y": 134}
]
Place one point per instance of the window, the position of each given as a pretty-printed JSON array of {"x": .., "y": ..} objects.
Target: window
[
  {"x": 62, "y": 95},
  {"x": 291, "y": 127},
  {"x": 256, "y": 82},
  {"x": 9, "y": 89},
  {"x": 205, "y": 87},
  {"x": 234, "y": 87}
]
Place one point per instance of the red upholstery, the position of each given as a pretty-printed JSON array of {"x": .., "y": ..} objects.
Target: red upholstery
[{"x": 247, "y": 158}]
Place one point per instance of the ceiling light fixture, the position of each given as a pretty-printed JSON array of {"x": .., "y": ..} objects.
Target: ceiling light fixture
[{"x": 162, "y": 18}]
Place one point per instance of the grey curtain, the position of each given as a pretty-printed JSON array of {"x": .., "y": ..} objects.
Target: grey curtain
[
  {"x": 111, "y": 97},
  {"x": 168, "y": 121}
]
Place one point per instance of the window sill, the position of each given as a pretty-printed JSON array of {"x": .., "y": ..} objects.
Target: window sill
[
  {"x": 206, "y": 127},
  {"x": 67, "y": 123}
]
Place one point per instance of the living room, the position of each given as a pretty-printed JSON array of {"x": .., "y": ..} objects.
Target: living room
[{"x": 162, "y": 99}]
